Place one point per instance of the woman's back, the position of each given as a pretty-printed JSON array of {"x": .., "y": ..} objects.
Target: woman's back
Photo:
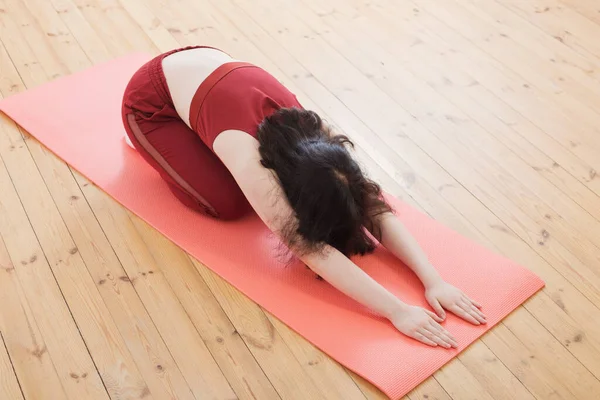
[{"x": 186, "y": 70}]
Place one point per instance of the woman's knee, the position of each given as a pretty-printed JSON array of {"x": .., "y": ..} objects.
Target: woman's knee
[{"x": 227, "y": 206}]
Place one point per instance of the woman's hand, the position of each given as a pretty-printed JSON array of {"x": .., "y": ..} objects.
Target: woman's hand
[
  {"x": 443, "y": 295},
  {"x": 422, "y": 325}
]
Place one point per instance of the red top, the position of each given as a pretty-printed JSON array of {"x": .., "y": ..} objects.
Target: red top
[{"x": 239, "y": 96}]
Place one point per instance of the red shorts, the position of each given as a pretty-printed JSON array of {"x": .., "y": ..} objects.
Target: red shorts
[{"x": 194, "y": 174}]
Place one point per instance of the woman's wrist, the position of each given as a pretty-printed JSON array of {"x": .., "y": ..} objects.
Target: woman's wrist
[
  {"x": 431, "y": 278},
  {"x": 397, "y": 308}
]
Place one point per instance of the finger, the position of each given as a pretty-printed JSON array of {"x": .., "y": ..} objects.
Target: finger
[
  {"x": 422, "y": 338},
  {"x": 475, "y": 303},
  {"x": 473, "y": 307},
  {"x": 434, "y": 316},
  {"x": 439, "y": 337},
  {"x": 438, "y": 327},
  {"x": 472, "y": 311},
  {"x": 456, "y": 309},
  {"x": 444, "y": 332},
  {"x": 470, "y": 300},
  {"x": 482, "y": 317},
  {"x": 437, "y": 307},
  {"x": 435, "y": 337}
]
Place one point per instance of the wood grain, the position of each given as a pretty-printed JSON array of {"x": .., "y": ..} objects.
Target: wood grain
[
  {"x": 9, "y": 385},
  {"x": 481, "y": 113}
]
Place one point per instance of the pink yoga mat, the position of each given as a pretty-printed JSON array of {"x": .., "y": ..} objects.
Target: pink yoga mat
[{"x": 78, "y": 118}]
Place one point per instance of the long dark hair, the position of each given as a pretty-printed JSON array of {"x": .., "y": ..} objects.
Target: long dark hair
[{"x": 332, "y": 199}]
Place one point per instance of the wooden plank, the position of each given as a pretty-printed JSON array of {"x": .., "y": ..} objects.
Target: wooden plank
[
  {"x": 531, "y": 54},
  {"x": 403, "y": 24},
  {"x": 151, "y": 25},
  {"x": 394, "y": 80},
  {"x": 492, "y": 373},
  {"x": 562, "y": 58},
  {"x": 291, "y": 380},
  {"x": 573, "y": 375},
  {"x": 202, "y": 375},
  {"x": 559, "y": 259},
  {"x": 50, "y": 40},
  {"x": 564, "y": 24},
  {"x": 441, "y": 183},
  {"x": 319, "y": 366},
  {"x": 589, "y": 9},
  {"x": 370, "y": 95},
  {"x": 507, "y": 85},
  {"x": 79, "y": 28},
  {"x": 220, "y": 335},
  {"x": 496, "y": 42},
  {"x": 162, "y": 381},
  {"x": 562, "y": 311},
  {"x": 514, "y": 120},
  {"x": 464, "y": 126},
  {"x": 60, "y": 334},
  {"x": 368, "y": 390},
  {"x": 135, "y": 326},
  {"x": 30, "y": 361},
  {"x": 71, "y": 359},
  {"x": 143, "y": 340},
  {"x": 464, "y": 47},
  {"x": 524, "y": 363},
  {"x": 9, "y": 385},
  {"x": 118, "y": 370},
  {"x": 429, "y": 390},
  {"x": 187, "y": 347},
  {"x": 467, "y": 387},
  {"x": 555, "y": 164},
  {"x": 117, "y": 30},
  {"x": 446, "y": 120},
  {"x": 568, "y": 331}
]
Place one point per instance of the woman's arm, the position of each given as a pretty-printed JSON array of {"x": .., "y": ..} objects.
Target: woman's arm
[
  {"x": 440, "y": 294},
  {"x": 399, "y": 241},
  {"x": 239, "y": 152}
]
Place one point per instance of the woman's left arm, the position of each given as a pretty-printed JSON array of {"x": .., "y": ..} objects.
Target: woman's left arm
[{"x": 440, "y": 294}]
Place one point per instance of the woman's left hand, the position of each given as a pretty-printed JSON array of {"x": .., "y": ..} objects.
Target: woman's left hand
[{"x": 443, "y": 295}]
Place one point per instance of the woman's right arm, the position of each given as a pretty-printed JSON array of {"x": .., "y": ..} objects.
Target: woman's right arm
[{"x": 239, "y": 152}]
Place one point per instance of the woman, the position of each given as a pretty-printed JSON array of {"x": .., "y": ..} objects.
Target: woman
[{"x": 229, "y": 139}]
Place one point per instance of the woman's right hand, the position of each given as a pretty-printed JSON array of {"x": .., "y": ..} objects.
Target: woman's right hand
[{"x": 422, "y": 325}]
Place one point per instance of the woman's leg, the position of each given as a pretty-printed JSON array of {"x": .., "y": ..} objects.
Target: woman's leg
[{"x": 194, "y": 174}]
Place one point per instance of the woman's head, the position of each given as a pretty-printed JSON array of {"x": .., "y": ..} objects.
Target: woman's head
[{"x": 333, "y": 201}]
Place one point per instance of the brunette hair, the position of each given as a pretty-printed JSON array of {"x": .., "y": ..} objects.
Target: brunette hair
[{"x": 334, "y": 203}]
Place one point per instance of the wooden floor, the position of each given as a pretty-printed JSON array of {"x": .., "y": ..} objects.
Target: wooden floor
[{"x": 483, "y": 113}]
